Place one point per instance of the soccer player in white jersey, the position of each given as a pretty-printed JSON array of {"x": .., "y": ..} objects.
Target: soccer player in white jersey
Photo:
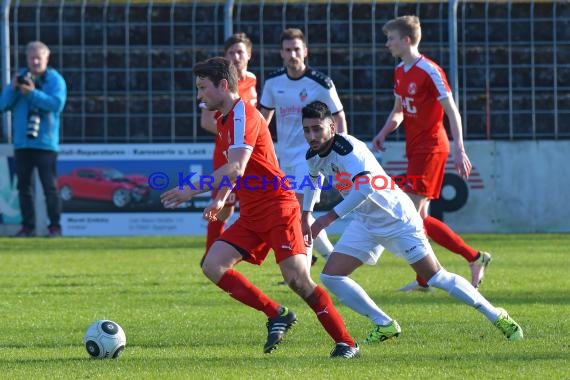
[
  {"x": 383, "y": 217},
  {"x": 285, "y": 93}
]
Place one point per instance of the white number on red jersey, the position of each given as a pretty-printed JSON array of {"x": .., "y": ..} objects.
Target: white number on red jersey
[{"x": 407, "y": 104}]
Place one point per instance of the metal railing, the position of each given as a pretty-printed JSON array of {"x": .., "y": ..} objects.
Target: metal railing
[{"x": 127, "y": 63}]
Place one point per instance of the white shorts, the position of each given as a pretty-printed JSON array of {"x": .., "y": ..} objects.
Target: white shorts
[
  {"x": 297, "y": 175},
  {"x": 367, "y": 245}
]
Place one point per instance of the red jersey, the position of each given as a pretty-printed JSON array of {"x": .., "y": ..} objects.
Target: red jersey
[
  {"x": 420, "y": 88},
  {"x": 248, "y": 92},
  {"x": 260, "y": 190},
  {"x": 247, "y": 89}
]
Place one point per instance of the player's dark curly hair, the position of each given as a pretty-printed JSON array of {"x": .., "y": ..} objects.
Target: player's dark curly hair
[
  {"x": 216, "y": 69},
  {"x": 316, "y": 110}
]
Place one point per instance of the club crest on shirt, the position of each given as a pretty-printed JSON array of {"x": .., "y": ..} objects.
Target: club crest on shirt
[
  {"x": 412, "y": 88},
  {"x": 303, "y": 94},
  {"x": 334, "y": 168}
]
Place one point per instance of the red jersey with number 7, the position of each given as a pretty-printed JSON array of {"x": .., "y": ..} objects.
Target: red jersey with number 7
[{"x": 420, "y": 87}]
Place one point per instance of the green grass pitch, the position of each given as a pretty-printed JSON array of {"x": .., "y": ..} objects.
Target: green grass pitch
[{"x": 180, "y": 326}]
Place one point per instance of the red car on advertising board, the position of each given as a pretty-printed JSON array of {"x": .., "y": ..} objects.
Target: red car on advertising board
[{"x": 104, "y": 184}]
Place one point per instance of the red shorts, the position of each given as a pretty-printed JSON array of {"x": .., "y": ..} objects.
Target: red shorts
[
  {"x": 425, "y": 174},
  {"x": 280, "y": 232},
  {"x": 220, "y": 160}
]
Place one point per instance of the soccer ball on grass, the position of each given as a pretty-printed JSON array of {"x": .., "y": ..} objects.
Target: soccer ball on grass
[{"x": 104, "y": 339}]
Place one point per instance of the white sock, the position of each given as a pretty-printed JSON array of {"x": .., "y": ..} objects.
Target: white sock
[
  {"x": 352, "y": 295},
  {"x": 322, "y": 243},
  {"x": 460, "y": 288}
]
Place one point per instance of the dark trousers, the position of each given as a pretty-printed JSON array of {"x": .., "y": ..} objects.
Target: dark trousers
[{"x": 45, "y": 161}]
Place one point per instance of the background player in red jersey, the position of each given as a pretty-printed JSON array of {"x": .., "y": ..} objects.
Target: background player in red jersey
[
  {"x": 269, "y": 213},
  {"x": 237, "y": 48},
  {"x": 422, "y": 97}
]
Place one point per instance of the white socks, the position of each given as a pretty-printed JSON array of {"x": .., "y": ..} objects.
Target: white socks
[
  {"x": 323, "y": 244},
  {"x": 352, "y": 295},
  {"x": 460, "y": 288}
]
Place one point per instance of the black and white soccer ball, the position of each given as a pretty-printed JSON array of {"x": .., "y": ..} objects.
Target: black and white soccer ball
[{"x": 104, "y": 339}]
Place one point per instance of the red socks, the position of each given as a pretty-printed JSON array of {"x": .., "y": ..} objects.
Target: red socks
[
  {"x": 239, "y": 287},
  {"x": 329, "y": 317},
  {"x": 447, "y": 238},
  {"x": 215, "y": 229}
]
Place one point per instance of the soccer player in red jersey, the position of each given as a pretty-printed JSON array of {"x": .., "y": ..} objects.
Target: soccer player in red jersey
[
  {"x": 422, "y": 97},
  {"x": 237, "y": 48},
  {"x": 269, "y": 212}
]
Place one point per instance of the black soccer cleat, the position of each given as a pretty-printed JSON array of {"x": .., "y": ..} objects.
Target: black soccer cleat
[
  {"x": 344, "y": 351},
  {"x": 277, "y": 328}
]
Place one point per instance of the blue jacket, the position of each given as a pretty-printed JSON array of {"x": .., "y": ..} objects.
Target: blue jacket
[{"x": 49, "y": 98}]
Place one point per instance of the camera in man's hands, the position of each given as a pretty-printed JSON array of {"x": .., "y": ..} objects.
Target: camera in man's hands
[
  {"x": 34, "y": 121},
  {"x": 23, "y": 79}
]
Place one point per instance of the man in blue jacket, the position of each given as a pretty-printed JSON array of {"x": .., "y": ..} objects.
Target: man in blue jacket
[{"x": 36, "y": 96}]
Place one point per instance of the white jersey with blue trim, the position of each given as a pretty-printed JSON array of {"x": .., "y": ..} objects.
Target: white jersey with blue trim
[
  {"x": 287, "y": 97},
  {"x": 386, "y": 205}
]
